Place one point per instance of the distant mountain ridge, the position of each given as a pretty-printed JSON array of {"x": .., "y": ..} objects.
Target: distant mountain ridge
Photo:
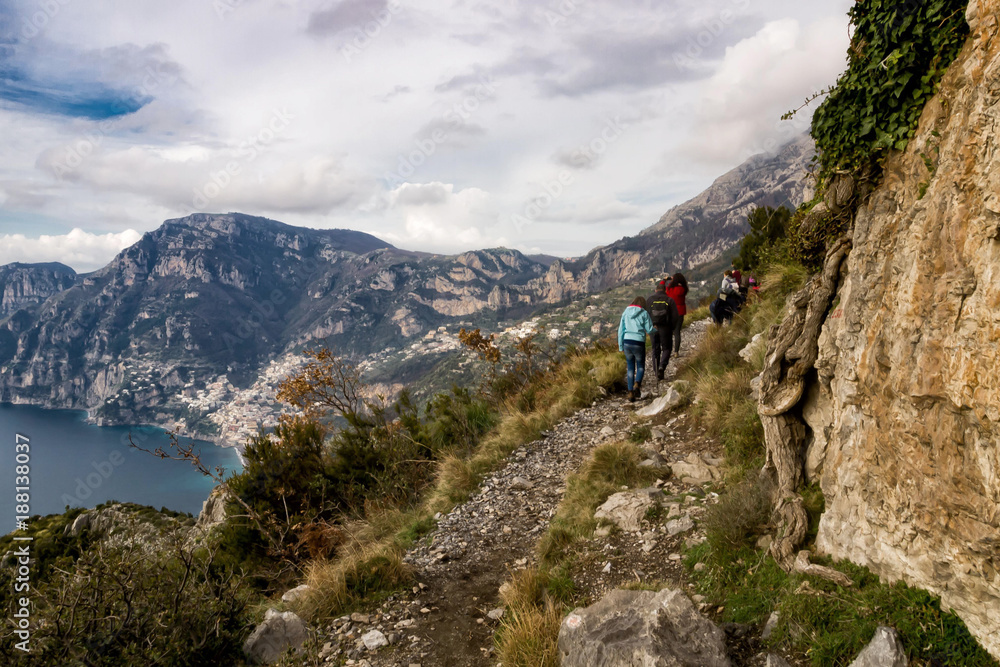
[{"x": 210, "y": 295}]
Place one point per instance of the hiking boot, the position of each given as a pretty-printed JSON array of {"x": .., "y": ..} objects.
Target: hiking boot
[
  {"x": 631, "y": 396},
  {"x": 638, "y": 390}
]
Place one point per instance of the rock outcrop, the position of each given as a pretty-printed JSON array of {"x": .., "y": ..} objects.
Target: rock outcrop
[
  {"x": 641, "y": 628},
  {"x": 905, "y": 410},
  {"x": 29, "y": 285}
]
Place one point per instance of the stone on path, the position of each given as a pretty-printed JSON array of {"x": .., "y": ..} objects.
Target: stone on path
[
  {"x": 885, "y": 650},
  {"x": 776, "y": 661},
  {"x": 520, "y": 484},
  {"x": 678, "y": 526},
  {"x": 641, "y": 628},
  {"x": 625, "y": 509},
  {"x": 279, "y": 632},
  {"x": 374, "y": 640},
  {"x": 671, "y": 398},
  {"x": 607, "y": 432}
]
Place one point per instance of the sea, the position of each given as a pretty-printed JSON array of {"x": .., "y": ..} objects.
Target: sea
[{"x": 69, "y": 462}]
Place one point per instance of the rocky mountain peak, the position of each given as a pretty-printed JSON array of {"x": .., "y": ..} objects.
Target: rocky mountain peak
[{"x": 28, "y": 285}]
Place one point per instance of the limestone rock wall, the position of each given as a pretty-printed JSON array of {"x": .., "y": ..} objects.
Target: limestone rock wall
[{"x": 905, "y": 411}]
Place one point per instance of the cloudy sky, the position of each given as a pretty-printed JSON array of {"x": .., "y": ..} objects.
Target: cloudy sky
[{"x": 441, "y": 125}]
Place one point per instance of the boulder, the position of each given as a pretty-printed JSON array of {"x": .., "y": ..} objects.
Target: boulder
[
  {"x": 681, "y": 525},
  {"x": 279, "y": 632},
  {"x": 641, "y": 628},
  {"x": 653, "y": 459},
  {"x": 625, "y": 509},
  {"x": 885, "y": 650},
  {"x": 671, "y": 399},
  {"x": 756, "y": 343}
]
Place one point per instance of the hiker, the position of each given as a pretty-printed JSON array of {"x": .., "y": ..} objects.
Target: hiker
[
  {"x": 632, "y": 330},
  {"x": 726, "y": 302},
  {"x": 736, "y": 274},
  {"x": 663, "y": 313},
  {"x": 677, "y": 290}
]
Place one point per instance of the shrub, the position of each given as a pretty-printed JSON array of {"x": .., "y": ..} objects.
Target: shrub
[
  {"x": 132, "y": 603},
  {"x": 742, "y": 512}
]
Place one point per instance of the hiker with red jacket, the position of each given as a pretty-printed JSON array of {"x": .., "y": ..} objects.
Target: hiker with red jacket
[
  {"x": 677, "y": 290},
  {"x": 632, "y": 330},
  {"x": 663, "y": 313}
]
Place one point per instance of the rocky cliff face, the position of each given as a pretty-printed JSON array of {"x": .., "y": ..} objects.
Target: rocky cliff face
[
  {"x": 24, "y": 286},
  {"x": 905, "y": 411}
]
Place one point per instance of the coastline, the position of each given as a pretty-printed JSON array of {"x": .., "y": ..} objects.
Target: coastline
[{"x": 90, "y": 420}]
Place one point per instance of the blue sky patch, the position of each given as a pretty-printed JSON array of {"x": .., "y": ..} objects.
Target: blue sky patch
[{"x": 91, "y": 100}]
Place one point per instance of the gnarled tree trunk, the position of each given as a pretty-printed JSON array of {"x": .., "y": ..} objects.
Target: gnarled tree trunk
[{"x": 792, "y": 353}]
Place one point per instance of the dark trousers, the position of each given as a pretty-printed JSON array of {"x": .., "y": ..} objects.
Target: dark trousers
[
  {"x": 678, "y": 325},
  {"x": 635, "y": 362},
  {"x": 662, "y": 344}
]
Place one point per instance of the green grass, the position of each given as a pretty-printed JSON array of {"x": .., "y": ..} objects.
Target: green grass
[
  {"x": 640, "y": 433},
  {"x": 827, "y": 623}
]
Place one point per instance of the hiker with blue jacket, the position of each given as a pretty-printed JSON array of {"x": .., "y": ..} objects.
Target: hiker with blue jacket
[
  {"x": 632, "y": 330},
  {"x": 663, "y": 313}
]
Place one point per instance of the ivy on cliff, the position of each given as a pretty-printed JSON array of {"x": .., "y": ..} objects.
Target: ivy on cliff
[{"x": 898, "y": 53}]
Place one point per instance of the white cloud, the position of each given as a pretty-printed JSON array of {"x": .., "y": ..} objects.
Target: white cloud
[
  {"x": 79, "y": 249},
  {"x": 362, "y": 124},
  {"x": 759, "y": 79},
  {"x": 436, "y": 217}
]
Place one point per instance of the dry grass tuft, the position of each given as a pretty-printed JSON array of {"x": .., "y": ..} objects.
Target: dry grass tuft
[
  {"x": 359, "y": 571},
  {"x": 529, "y": 636},
  {"x": 529, "y": 630}
]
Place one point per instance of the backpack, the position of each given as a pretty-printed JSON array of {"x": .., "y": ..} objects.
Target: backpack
[{"x": 659, "y": 309}]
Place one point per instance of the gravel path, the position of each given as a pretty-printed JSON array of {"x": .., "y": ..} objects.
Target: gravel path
[{"x": 446, "y": 619}]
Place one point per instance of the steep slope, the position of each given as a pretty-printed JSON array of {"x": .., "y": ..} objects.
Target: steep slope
[{"x": 698, "y": 230}]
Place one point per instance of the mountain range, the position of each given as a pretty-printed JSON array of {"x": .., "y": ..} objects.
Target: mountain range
[{"x": 210, "y": 296}]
